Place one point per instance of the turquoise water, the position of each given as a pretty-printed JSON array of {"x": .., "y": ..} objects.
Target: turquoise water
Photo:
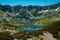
[{"x": 29, "y": 28}]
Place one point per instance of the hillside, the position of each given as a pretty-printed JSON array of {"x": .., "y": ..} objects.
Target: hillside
[
  {"x": 13, "y": 18},
  {"x": 28, "y": 15}
]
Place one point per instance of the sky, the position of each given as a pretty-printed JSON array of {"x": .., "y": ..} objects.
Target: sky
[{"x": 28, "y": 2}]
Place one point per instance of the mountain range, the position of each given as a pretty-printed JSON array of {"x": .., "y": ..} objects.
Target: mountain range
[{"x": 29, "y": 15}]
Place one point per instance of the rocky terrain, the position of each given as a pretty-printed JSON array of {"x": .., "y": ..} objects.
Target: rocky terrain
[{"x": 12, "y": 17}]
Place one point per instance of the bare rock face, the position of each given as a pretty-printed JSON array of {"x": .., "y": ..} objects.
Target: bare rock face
[
  {"x": 48, "y": 36},
  {"x": 29, "y": 39},
  {"x": 15, "y": 39},
  {"x": 2, "y": 29}
]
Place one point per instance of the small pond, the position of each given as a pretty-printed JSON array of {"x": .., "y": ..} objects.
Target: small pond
[{"x": 29, "y": 28}]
